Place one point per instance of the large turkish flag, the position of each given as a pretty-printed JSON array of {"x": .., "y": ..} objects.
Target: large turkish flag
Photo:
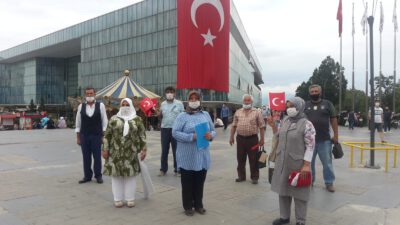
[
  {"x": 277, "y": 101},
  {"x": 203, "y": 44}
]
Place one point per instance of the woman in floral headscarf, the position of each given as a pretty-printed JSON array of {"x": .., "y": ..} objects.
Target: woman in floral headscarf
[{"x": 124, "y": 143}]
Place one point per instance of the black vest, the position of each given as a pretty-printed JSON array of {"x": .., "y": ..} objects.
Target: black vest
[{"x": 91, "y": 125}]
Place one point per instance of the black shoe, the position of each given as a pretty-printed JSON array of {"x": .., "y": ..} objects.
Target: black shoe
[
  {"x": 280, "y": 221},
  {"x": 189, "y": 212},
  {"x": 84, "y": 180},
  {"x": 201, "y": 211},
  {"x": 99, "y": 180},
  {"x": 239, "y": 180}
]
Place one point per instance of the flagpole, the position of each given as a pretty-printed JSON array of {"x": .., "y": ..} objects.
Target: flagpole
[
  {"x": 366, "y": 71},
  {"x": 394, "y": 75},
  {"x": 352, "y": 100},
  {"x": 372, "y": 119},
  {"x": 339, "y": 17},
  {"x": 395, "y": 48},
  {"x": 380, "y": 67},
  {"x": 380, "y": 55},
  {"x": 340, "y": 77}
]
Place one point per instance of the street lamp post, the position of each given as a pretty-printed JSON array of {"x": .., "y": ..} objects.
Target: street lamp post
[{"x": 372, "y": 118}]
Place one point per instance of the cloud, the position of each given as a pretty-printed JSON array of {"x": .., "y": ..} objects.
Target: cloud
[
  {"x": 289, "y": 89},
  {"x": 24, "y": 20},
  {"x": 290, "y": 37}
]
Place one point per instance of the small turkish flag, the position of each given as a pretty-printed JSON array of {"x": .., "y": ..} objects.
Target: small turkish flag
[
  {"x": 277, "y": 101},
  {"x": 146, "y": 105},
  {"x": 154, "y": 100}
]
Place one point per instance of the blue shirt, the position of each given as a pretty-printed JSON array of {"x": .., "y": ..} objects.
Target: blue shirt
[
  {"x": 169, "y": 111},
  {"x": 188, "y": 156},
  {"x": 224, "y": 112}
]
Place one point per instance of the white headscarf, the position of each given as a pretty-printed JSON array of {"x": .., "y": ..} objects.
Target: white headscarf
[{"x": 126, "y": 118}]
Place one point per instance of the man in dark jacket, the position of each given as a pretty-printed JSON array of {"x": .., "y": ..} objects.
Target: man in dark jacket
[{"x": 91, "y": 122}]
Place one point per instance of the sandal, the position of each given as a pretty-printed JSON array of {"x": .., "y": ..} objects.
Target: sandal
[
  {"x": 130, "y": 204},
  {"x": 118, "y": 204}
]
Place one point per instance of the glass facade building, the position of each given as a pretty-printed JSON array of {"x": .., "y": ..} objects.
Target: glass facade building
[{"x": 141, "y": 37}]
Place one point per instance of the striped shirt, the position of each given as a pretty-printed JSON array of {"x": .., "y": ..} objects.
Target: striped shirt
[{"x": 188, "y": 156}]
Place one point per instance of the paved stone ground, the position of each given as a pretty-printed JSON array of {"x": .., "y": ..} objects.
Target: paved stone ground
[{"x": 39, "y": 171}]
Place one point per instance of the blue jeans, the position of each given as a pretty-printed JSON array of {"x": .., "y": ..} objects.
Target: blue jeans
[
  {"x": 351, "y": 124},
  {"x": 166, "y": 141},
  {"x": 324, "y": 151}
]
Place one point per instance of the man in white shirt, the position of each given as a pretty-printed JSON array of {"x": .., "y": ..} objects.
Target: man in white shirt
[
  {"x": 91, "y": 122},
  {"x": 378, "y": 123}
]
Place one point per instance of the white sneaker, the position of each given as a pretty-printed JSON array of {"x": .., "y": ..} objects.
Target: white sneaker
[{"x": 130, "y": 204}]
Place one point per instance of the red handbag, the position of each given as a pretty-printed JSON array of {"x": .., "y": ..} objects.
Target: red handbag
[{"x": 296, "y": 180}]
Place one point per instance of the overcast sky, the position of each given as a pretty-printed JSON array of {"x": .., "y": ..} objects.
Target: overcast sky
[{"x": 291, "y": 37}]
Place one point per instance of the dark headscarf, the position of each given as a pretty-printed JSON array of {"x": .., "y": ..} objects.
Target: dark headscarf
[{"x": 300, "y": 105}]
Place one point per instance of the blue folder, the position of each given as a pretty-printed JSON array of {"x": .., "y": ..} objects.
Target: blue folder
[{"x": 201, "y": 129}]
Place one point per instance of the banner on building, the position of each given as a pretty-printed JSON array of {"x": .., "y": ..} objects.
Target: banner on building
[{"x": 203, "y": 44}]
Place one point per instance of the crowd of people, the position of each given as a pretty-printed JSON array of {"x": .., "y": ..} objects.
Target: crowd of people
[
  {"x": 47, "y": 122},
  {"x": 301, "y": 132}
]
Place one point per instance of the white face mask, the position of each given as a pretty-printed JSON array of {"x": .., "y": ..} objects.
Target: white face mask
[
  {"x": 247, "y": 106},
  {"x": 125, "y": 111},
  {"x": 194, "y": 105},
  {"x": 169, "y": 96},
  {"x": 292, "y": 112},
  {"x": 377, "y": 104},
  {"x": 90, "y": 99}
]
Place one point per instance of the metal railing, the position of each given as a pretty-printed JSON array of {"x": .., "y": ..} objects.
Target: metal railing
[{"x": 363, "y": 146}]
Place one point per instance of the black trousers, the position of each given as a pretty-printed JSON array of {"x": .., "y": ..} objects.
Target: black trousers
[
  {"x": 225, "y": 120},
  {"x": 192, "y": 188},
  {"x": 91, "y": 146},
  {"x": 166, "y": 140},
  {"x": 244, "y": 145}
]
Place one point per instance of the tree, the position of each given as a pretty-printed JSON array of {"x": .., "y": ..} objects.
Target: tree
[
  {"x": 327, "y": 76},
  {"x": 387, "y": 91},
  {"x": 359, "y": 101},
  {"x": 32, "y": 107}
]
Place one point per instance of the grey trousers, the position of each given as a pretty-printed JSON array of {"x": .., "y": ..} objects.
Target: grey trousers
[{"x": 300, "y": 208}]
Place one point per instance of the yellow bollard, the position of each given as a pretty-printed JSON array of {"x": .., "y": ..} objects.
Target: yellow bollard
[
  {"x": 351, "y": 156},
  {"x": 395, "y": 159},
  {"x": 387, "y": 160},
  {"x": 362, "y": 154}
]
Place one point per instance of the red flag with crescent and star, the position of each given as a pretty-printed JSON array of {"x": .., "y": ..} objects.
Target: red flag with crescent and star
[
  {"x": 203, "y": 44},
  {"x": 277, "y": 101},
  {"x": 147, "y": 105},
  {"x": 339, "y": 17}
]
